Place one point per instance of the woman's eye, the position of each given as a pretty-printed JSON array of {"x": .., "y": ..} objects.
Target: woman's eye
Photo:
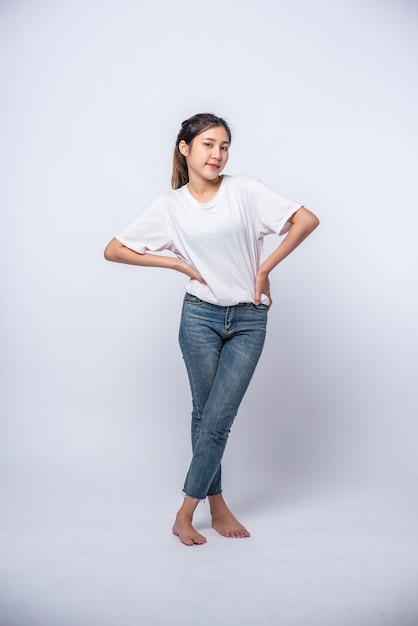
[
  {"x": 225, "y": 148},
  {"x": 208, "y": 145}
]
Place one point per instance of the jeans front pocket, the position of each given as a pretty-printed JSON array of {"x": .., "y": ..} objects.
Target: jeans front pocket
[
  {"x": 260, "y": 308},
  {"x": 193, "y": 300}
]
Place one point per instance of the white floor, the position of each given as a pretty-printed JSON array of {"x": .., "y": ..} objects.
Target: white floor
[{"x": 98, "y": 557}]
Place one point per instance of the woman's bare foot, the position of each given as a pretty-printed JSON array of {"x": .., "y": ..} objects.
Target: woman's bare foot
[
  {"x": 223, "y": 521},
  {"x": 187, "y": 534},
  {"x": 183, "y": 525}
]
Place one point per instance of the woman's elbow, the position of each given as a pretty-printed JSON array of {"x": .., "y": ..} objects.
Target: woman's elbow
[
  {"x": 314, "y": 221},
  {"x": 110, "y": 252},
  {"x": 309, "y": 219}
]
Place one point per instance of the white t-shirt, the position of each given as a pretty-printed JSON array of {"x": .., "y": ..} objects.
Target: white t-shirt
[{"x": 222, "y": 239}]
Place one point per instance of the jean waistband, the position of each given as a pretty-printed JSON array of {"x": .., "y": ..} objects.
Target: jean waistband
[{"x": 194, "y": 299}]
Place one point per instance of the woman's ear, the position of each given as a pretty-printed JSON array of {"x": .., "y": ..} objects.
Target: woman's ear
[{"x": 183, "y": 148}]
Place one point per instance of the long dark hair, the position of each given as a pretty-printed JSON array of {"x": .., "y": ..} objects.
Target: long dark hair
[{"x": 189, "y": 129}]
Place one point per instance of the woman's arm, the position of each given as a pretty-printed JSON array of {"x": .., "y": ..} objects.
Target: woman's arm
[
  {"x": 303, "y": 223},
  {"x": 117, "y": 252}
]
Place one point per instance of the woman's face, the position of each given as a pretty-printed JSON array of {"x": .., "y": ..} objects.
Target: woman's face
[{"x": 207, "y": 154}]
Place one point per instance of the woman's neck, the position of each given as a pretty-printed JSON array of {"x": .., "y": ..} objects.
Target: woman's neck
[{"x": 204, "y": 191}]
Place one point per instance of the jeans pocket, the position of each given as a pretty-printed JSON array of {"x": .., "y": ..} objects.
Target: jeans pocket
[
  {"x": 260, "y": 308},
  {"x": 193, "y": 300}
]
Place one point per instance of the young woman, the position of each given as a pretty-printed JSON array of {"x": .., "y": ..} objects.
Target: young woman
[{"x": 214, "y": 224}]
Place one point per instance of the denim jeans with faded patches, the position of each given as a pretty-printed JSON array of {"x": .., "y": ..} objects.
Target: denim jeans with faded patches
[{"x": 221, "y": 346}]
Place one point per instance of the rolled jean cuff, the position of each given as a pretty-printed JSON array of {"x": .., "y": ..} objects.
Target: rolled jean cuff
[{"x": 186, "y": 495}]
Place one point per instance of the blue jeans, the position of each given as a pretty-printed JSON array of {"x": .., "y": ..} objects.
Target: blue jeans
[{"x": 221, "y": 346}]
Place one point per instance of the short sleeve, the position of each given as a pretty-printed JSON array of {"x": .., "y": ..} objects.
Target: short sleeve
[
  {"x": 149, "y": 231},
  {"x": 272, "y": 209}
]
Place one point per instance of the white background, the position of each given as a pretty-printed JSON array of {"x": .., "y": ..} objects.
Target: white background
[{"x": 322, "y": 100}]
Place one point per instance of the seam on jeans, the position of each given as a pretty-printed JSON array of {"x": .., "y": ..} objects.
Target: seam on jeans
[
  {"x": 193, "y": 303},
  {"x": 228, "y": 331}
]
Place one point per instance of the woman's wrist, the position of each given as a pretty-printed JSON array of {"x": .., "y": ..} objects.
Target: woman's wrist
[{"x": 263, "y": 272}]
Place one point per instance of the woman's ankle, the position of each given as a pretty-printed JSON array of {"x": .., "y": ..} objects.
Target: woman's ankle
[{"x": 188, "y": 508}]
